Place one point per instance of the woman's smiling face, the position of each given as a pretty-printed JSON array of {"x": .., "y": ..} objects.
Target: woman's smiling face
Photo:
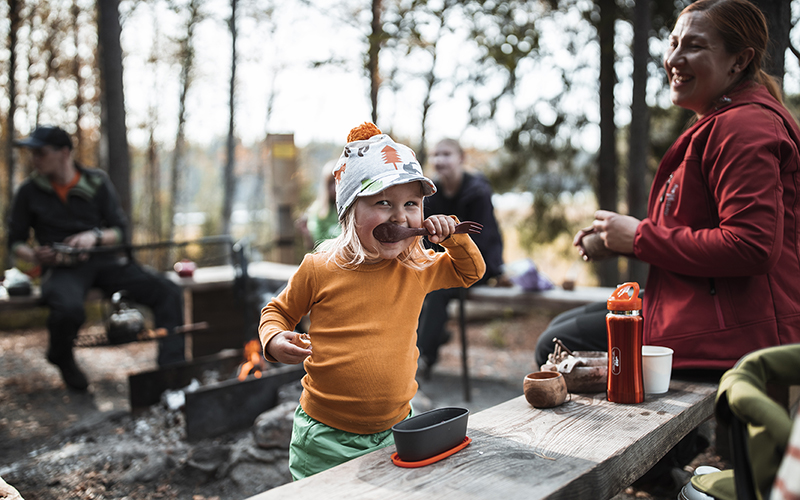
[
  {"x": 401, "y": 204},
  {"x": 699, "y": 68}
]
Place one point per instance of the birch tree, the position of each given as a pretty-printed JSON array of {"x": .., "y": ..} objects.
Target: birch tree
[
  {"x": 186, "y": 58},
  {"x": 14, "y": 22}
]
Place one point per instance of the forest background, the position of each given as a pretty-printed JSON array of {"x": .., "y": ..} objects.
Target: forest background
[{"x": 563, "y": 104}]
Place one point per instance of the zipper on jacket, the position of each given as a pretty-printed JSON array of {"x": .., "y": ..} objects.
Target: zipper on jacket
[
  {"x": 666, "y": 186},
  {"x": 712, "y": 290}
]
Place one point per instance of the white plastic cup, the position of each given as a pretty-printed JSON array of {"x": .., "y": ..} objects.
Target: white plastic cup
[{"x": 656, "y": 368}]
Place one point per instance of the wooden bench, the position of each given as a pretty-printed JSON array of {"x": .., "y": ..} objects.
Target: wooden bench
[
  {"x": 556, "y": 299},
  {"x": 586, "y": 448},
  {"x": 34, "y": 299}
]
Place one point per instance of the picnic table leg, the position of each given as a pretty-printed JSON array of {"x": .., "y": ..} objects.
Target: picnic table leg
[{"x": 462, "y": 326}]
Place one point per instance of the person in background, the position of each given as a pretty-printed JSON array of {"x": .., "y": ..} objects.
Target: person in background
[
  {"x": 363, "y": 298},
  {"x": 320, "y": 222},
  {"x": 468, "y": 196},
  {"x": 65, "y": 203}
]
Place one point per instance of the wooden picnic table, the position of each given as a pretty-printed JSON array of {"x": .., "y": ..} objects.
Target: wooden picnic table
[
  {"x": 586, "y": 448},
  {"x": 211, "y": 296},
  {"x": 208, "y": 278}
]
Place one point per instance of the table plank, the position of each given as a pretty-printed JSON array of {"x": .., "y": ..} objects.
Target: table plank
[
  {"x": 586, "y": 448},
  {"x": 213, "y": 277},
  {"x": 556, "y": 298}
]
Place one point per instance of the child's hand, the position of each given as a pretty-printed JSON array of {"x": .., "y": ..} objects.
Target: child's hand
[
  {"x": 440, "y": 227},
  {"x": 285, "y": 351}
]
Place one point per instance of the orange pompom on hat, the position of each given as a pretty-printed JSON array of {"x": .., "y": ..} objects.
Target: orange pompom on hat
[
  {"x": 363, "y": 132},
  {"x": 371, "y": 162}
]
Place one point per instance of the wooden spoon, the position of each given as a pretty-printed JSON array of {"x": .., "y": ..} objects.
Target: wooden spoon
[{"x": 391, "y": 233}]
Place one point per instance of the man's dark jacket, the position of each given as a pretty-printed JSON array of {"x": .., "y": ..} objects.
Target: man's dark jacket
[
  {"x": 473, "y": 202},
  {"x": 91, "y": 203}
]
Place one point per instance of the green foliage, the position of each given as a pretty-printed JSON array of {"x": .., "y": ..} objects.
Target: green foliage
[
  {"x": 548, "y": 220},
  {"x": 506, "y": 34}
]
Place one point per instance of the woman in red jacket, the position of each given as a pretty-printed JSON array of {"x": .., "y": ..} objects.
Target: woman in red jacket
[{"x": 722, "y": 233}]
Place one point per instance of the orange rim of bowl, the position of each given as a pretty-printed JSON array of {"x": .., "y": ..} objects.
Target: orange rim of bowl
[{"x": 421, "y": 463}]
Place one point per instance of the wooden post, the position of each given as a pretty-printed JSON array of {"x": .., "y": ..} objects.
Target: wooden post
[{"x": 283, "y": 157}]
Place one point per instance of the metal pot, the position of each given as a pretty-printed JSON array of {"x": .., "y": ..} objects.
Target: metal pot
[{"x": 125, "y": 323}]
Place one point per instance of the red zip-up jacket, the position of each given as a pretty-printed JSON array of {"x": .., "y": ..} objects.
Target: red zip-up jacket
[{"x": 722, "y": 236}]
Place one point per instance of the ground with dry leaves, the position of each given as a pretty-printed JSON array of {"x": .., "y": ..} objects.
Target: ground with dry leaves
[{"x": 59, "y": 444}]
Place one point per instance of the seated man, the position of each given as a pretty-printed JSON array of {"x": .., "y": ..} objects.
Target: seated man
[
  {"x": 66, "y": 203},
  {"x": 468, "y": 196}
]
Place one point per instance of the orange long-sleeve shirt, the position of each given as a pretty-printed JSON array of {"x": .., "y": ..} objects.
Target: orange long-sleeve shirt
[{"x": 360, "y": 377}]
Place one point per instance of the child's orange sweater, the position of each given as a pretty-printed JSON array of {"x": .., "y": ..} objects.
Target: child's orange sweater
[{"x": 360, "y": 376}]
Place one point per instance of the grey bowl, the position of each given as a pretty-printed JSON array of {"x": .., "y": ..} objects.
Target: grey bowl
[{"x": 431, "y": 433}]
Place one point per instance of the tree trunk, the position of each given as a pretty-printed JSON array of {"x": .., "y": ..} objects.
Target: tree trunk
[
  {"x": 76, "y": 74},
  {"x": 177, "y": 169},
  {"x": 430, "y": 82},
  {"x": 113, "y": 111},
  {"x": 639, "y": 137},
  {"x": 779, "y": 22},
  {"x": 375, "y": 40},
  {"x": 152, "y": 181},
  {"x": 607, "y": 161},
  {"x": 228, "y": 180},
  {"x": 14, "y": 24}
]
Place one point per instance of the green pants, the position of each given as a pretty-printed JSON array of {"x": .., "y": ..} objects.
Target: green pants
[{"x": 316, "y": 447}]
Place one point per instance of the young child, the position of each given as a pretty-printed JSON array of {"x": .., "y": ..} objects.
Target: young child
[{"x": 363, "y": 298}]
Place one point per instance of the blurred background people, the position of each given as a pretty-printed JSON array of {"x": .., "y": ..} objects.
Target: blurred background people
[
  {"x": 320, "y": 221},
  {"x": 65, "y": 203},
  {"x": 468, "y": 196}
]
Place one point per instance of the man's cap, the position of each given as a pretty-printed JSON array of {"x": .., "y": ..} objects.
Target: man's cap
[
  {"x": 372, "y": 162},
  {"x": 46, "y": 135}
]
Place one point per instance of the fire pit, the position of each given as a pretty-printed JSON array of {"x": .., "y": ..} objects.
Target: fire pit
[{"x": 220, "y": 407}]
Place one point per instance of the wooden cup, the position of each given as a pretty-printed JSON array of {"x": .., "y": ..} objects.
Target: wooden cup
[
  {"x": 594, "y": 248},
  {"x": 545, "y": 389}
]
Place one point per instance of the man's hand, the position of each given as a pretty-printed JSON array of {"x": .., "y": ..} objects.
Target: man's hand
[
  {"x": 284, "y": 351},
  {"x": 45, "y": 255},
  {"x": 85, "y": 239}
]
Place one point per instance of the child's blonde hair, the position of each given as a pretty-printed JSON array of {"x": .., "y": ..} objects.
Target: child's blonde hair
[{"x": 347, "y": 251}]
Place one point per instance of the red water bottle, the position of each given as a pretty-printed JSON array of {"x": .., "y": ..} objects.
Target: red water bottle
[{"x": 624, "y": 326}]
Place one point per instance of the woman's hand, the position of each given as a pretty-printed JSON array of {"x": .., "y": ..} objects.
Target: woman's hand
[
  {"x": 617, "y": 231},
  {"x": 284, "y": 351},
  {"x": 440, "y": 227},
  {"x": 578, "y": 241}
]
